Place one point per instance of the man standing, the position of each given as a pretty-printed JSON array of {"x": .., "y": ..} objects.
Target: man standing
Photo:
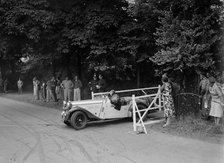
[
  {"x": 20, "y": 85},
  {"x": 43, "y": 90},
  {"x": 48, "y": 88},
  {"x": 101, "y": 84},
  {"x": 67, "y": 85},
  {"x": 205, "y": 95},
  {"x": 77, "y": 89},
  {"x": 36, "y": 84},
  {"x": 58, "y": 89},
  {"x": 51, "y": 90},
  {"x": 93, "y": 84}
]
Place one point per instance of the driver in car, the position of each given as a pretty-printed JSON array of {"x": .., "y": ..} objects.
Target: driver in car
[{"x": 115, "y": 99}]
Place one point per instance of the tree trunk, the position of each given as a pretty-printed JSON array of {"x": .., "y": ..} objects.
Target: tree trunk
[
  {"x": 79, "y": 65},
  {"x": 12, "y": 66},
  {"x": 138, "y": 74},
  {"x": 53, "y": 66},
  {"x": 1, "y": 68}
]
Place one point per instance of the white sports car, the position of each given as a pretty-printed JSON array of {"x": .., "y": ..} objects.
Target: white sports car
[{"x": 78, "y": 113}]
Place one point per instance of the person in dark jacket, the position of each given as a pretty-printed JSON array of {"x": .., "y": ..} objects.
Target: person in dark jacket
[
  {"x": 101, "y": 84},
  {"x": 115, "y": 99},
  {"x": 93, "y": 84}
]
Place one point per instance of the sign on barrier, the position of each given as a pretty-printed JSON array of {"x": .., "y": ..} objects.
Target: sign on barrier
[{"x": 156, "y": 103}]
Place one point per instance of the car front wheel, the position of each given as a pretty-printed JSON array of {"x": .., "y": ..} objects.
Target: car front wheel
[{"x": 78, "y": 120}]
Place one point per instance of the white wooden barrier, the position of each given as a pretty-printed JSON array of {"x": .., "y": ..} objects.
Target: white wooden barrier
[
  {"x": 156, "y": 103},
  {"x": 94, "y": 95}
]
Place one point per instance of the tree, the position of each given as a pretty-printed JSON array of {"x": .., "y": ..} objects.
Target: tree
[
  {"x": 188, "y": 36},
  {"x": 91, "y": 34},
  {"x": 23, "y": 23}
]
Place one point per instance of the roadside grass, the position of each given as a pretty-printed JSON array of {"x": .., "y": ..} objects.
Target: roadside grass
[
  {"x": 195, "y": 128},
  {"x": 189, "y": 127}
]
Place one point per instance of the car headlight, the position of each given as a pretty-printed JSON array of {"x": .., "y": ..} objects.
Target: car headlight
[
  {"x": 67, "y": 105},
  {"x": 64, "y": 104}
]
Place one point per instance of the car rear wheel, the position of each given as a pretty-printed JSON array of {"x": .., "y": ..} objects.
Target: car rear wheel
[{"x": 78, "y": 120}]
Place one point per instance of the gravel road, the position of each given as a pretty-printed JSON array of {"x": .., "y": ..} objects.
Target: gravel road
[{"x": 34, "y": 134}]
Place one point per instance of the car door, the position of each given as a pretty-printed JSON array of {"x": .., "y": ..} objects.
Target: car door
[{"x": 110, "y": 111}]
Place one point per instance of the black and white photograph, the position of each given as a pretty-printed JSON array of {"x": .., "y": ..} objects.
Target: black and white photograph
[{"x": 111, "y": 81}]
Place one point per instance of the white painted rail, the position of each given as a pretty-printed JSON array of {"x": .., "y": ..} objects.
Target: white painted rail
[{"x": 156, "y": 103}]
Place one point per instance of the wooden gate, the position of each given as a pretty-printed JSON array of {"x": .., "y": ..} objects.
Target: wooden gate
[{"x": 156, "y": 103}]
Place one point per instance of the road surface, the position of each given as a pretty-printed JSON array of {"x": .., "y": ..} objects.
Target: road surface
[{"x": 33, "y": 134}]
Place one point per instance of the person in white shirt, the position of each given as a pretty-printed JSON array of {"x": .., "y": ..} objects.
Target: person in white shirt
[
  {"x": 36, "y": 84},
  {"x": 67, "y": 85},
  {"x": 20, "y": 85},
  {"x": 77, "y": 89}
]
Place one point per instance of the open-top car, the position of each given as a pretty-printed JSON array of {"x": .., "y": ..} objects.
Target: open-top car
[{"x": 78, "y": 113}]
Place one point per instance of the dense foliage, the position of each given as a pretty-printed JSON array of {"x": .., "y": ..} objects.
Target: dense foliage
[
  {"x": 58, "y": 37},
  {"x": 188, "y": 35}
]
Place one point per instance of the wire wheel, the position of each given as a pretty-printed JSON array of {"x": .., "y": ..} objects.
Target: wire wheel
[{"x": 78, "y": 120}]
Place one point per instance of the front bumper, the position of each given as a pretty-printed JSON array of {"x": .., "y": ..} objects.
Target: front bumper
[{"x": 64, "y": 115}]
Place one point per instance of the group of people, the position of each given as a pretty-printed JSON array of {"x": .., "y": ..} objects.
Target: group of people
[
  {"x": 212, "y": 92},
  {"x": 97, "y": 85},
  {"x": 71, "y": 89},
  {"x": 5, "y": 83},
  {"x": 52, "y": 89}
]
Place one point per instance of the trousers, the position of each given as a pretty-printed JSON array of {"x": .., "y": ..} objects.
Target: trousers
[{"x": 77, "y": 95}]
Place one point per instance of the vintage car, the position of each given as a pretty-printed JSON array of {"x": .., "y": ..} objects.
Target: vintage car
[{"x": 78, "y": 113}]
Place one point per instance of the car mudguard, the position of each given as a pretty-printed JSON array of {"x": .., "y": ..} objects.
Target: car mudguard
[{"x": 88, "y": 114}]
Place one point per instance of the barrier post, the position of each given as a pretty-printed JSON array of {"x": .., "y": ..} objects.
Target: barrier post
[
  {"x": 133, "y": 112},
  {"x": 160, "y": 96},
  {"x": 92, "y": 95}
]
